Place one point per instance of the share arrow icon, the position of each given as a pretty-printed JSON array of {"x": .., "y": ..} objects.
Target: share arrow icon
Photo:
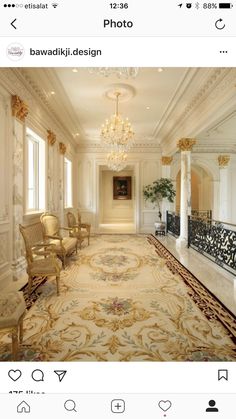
[{"x": 61, "y": 374}]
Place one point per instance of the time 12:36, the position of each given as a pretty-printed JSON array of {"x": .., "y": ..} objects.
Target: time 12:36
[{"x": 119, "y": 5}]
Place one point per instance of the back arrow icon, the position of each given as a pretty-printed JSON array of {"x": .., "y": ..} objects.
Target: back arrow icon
[
  {"x": 219, "y": 25},
  {"x": 12, "y": 24}
]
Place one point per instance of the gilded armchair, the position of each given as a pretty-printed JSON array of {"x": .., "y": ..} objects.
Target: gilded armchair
[
  {"x": 77, "y": 230},
  {"x": 12, "y": 311},
  {"x": 64, "y": 246},
  {"x": 84, "y": 226},
  {"x": 40, "y": 256}
]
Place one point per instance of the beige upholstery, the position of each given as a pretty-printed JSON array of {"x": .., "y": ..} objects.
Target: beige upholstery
[
  {"x": 12, "y": 310},
  {"x": 51, "y": 231},
  {"x": 78, "y": 230},
  {"x": 41, "y": 256}
]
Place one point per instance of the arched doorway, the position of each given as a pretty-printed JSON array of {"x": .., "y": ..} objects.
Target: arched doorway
[{"x": 201, "y": 190}]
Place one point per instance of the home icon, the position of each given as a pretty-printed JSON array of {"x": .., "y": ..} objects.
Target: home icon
[{"x": 23, "y": 407}]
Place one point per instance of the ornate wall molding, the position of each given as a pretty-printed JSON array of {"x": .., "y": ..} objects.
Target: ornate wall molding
[
  {"x": 186, "y": 144},
  {"x": 20, "y": 109},
  {"x": 166, "y": 161},
  {"x": 223, "y": 161},
  {"x": 51, "y": 137}
]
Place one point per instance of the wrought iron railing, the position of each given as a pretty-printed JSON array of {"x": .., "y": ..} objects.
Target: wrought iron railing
[
  {"x": 173, "y": 223},
  {"x": 214, "y": 239}
]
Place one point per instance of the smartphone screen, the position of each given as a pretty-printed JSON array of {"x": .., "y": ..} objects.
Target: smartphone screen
[{"x": 117, "y": 209}]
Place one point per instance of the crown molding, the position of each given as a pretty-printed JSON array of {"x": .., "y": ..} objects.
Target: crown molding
[
  {"x": 41, "y": 112},
  {"x": 214, "y": 97},
  {"x": 97, "y": 147}
]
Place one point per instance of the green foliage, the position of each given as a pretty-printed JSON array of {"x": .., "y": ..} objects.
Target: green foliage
[{"x": 159, "y": 189}]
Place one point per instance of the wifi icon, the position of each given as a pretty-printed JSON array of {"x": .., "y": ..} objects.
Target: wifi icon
[{"x": 54, "y": 5}]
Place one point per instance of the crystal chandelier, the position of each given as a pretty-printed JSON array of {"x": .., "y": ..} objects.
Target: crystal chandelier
[
  {"x": 117, "y": 133},
  {"x": 116, "y": 160},
  {"x": 120, "y": 72}
]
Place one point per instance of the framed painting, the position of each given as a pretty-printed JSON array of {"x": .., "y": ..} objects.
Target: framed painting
[{"x": 122, "y": 187}]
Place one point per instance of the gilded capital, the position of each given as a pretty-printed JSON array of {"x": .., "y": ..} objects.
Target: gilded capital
[
  {"x": 62, "y": 148},
  {"x": 19, "y": 108},
  {"x": 186, "y": 144},
  {"x": 223, "y": 160},
  {"x": 166, "y": 161},
  {"x": 51, "y": 137}
]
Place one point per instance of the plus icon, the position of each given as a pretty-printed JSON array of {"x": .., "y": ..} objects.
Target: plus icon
[{"x": 118, "y": 406}]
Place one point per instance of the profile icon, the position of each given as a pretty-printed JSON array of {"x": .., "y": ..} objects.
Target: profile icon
[{"x": 212, "y": 406}]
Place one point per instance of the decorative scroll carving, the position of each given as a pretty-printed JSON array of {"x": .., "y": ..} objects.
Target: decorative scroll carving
[
  {"x": 214, "y": 240},
  {"x": 62, "y": 148},
  {"x": 173, "y": 223},
  {"x": 166, "y": 161},
  {"x": 223, "y": 160},
  {"x": 51, "y": 137},
  {"x": 19, "y": 108},
  {"x": 186, "y": 144}
]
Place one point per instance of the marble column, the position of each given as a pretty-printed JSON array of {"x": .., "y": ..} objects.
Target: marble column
[
  {"x": 51, "y": 204},
  {"x": 62, "y": 151},
  {"x": 224, "y": 196},
  {"x": 165, "y": 172},
  {"x": 185, "y": 146},
  {"x": 19, "y": 113}
]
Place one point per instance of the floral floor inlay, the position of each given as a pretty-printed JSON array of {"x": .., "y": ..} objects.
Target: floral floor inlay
[{"x": 122, "y": 301}]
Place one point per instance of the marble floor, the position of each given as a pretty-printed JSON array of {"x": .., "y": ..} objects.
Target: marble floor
[
  {"x": 220, "y": 282},
  {"x": 118, "y": 228}
]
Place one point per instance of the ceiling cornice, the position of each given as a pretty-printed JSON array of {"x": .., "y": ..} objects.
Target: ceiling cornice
[
  {"x": 16, "y": 82},
  {"x": 217, "y": 89}
]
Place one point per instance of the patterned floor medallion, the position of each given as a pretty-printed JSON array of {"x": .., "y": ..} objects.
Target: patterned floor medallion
[{"x": 125, "y": 298}]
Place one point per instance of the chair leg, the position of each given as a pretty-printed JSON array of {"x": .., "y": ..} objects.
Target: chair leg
[
  {"x": 58, "y": 284},
  {"x": 21, "y": 329},
  {"x": 14, "y": 343}
]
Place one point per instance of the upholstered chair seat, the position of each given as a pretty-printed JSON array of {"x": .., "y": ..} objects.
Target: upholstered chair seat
[
  {"x": 77, "y": 230},
  {"x": 12, "y": 310},
  {"x": 41, "y": 256},
  {"x": 64, "y": 246}
]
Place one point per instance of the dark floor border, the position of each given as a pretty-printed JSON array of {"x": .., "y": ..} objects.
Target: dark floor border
[{"x": 212, "y": 307}]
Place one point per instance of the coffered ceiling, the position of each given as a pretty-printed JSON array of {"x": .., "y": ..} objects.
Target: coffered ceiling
[{"x": 162, "y": 106}]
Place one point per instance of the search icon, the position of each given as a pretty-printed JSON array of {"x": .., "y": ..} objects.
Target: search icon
[{"x": 70, "y": 405}]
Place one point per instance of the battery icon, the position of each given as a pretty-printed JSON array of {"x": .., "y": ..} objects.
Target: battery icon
[{"x": 225, "y": 5}]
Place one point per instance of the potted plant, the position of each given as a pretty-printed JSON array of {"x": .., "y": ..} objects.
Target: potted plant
[{"x": 159, "y": 189}]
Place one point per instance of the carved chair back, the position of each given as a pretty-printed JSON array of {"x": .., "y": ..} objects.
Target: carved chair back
[
  {"x": 71, "y": 219},
  {"x": 50, "y": 224},
  {"x": 32, "y": 234}
]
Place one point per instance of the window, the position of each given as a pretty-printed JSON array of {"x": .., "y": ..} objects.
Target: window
[
  {"x": 35, "y": 172},
  {"x": 67, "y": 183}
]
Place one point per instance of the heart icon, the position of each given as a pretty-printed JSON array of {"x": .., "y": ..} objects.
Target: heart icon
[
  {"x": 14, "y": 374},
  {"x": 164, "y": 405}
]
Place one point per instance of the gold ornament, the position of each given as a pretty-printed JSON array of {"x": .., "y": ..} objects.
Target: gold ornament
[
  {"x": 223, "y": 160},
  {"x": 62, "y": 148},
  {"x": 19, "y": 108},
  {"x": 166, "y": 161},
  {"x": 51, "y": 137},
  {"x": 186, "y": 144}
]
